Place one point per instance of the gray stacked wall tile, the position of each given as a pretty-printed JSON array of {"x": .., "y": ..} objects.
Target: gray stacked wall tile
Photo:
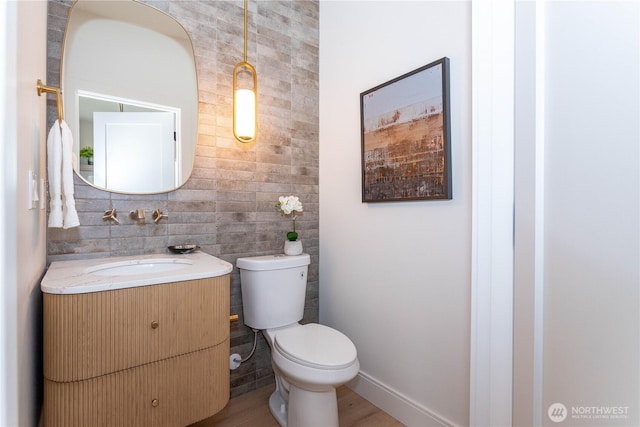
[{"x": 227, "y": 206}]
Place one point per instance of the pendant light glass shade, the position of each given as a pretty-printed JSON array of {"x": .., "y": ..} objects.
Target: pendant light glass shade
[
  {"x": 245, "y": 108},
  {"x": 245, "y": 95}
]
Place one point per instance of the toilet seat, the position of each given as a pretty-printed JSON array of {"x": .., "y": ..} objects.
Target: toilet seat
[{"x": 316, "y": 346}]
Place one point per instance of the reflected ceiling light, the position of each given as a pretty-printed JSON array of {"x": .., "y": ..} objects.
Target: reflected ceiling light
[{"x": 245, "y": 95}]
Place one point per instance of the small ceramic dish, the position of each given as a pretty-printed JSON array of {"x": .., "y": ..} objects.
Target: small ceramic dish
[{"x": 183, "y": 249}]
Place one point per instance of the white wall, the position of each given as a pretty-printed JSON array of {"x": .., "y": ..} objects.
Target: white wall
[
  {"x": 578, "y": 213},
  {"x": 8, "y": 360},
  {"x": 395, "y": 277},
  {"x": 22, "y": 234},
  {"x": 592, "y": 207}
]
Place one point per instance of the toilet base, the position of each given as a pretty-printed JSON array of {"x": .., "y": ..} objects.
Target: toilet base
[
  {"x": 278, "y": 408},
  {"x": 312, "y": 408}
]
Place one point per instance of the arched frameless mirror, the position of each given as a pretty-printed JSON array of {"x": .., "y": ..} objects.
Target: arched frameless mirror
[{"x": 130, "y": 96}]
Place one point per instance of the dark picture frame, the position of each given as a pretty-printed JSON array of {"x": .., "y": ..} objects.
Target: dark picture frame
[{"x": 406, "y": 131}]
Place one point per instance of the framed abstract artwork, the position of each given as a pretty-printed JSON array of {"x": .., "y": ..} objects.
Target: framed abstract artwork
[{"x": 406, "y": 131}]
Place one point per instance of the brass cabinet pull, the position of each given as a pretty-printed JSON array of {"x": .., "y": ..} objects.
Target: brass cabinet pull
[
  {"x": 154, "y": 402},
  {"x": 233, "y": 318},
  {"x": 154, "y": 324}
]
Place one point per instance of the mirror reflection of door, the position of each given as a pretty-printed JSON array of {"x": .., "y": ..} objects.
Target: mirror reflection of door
[
  {"x": 108, "y": 140},
  {"x": 128, "y": 149}
]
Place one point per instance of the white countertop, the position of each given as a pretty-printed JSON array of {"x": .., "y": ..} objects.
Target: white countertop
[{"x": 81, "y": 276}]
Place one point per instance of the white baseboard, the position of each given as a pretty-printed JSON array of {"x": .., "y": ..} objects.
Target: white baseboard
[{"x": 396, "y": 404}]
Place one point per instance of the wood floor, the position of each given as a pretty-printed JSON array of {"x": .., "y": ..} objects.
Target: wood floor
[{"x": 252, "y": 410}]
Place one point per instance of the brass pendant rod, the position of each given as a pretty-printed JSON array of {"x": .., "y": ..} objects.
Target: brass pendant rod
[{"x": 245, "y": 29}]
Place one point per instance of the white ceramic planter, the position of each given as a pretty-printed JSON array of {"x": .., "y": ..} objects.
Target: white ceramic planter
[{"x": 293, "y": 248}]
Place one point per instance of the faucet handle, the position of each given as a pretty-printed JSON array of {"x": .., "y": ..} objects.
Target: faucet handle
[
  {"x": 111, "y": 215},
  {"x": 158, "y": 215}
]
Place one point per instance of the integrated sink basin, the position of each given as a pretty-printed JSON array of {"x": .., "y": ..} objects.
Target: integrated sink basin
[
  {"x": 154, "y": 265},
  {"x": 104, "y": 274}
]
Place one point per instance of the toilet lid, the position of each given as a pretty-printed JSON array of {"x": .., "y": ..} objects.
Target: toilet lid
[{"x": 317, "y": 346}]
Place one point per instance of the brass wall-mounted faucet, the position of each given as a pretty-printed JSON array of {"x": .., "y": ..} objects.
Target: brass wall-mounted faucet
[{"x": 137, "y": 215}]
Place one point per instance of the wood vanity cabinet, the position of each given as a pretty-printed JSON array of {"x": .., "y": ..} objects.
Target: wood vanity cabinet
[{"x": 142, "y": 356}]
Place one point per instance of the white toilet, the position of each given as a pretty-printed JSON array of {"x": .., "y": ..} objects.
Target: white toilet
[{"x": 309, "y": 361}]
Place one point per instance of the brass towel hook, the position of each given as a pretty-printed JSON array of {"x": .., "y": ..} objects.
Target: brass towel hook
[{"x": 50, "y": 89}]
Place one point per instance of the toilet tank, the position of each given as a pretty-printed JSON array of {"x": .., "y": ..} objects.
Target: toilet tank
[{"x": 273, "y": 289}]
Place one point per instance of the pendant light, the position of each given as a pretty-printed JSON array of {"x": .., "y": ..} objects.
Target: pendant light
[{"x": 245, "y": 95}]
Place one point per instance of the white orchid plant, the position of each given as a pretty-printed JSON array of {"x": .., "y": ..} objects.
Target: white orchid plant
[{"x": 290, "y": 205}]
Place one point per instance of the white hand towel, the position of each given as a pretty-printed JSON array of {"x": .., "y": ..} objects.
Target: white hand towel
[
  {"x": 54, "y": 162},
  {"x": 69, "y": 207}
]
